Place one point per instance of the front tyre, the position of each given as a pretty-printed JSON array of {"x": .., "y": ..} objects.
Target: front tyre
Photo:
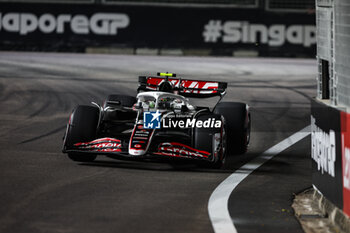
[{"x": 82, "y": 127}]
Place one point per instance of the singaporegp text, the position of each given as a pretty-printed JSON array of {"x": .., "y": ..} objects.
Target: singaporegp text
[{"x": 99, "y": 23}]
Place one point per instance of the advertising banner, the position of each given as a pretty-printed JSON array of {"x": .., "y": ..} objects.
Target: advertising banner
[
  {"x": 327, "y": 171},
  {"x": 77, "y": 26},
  {"x": 345, "y": 137}
]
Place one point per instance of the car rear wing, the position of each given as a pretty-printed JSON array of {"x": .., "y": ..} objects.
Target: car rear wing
[{"x": 184, "y": 87}]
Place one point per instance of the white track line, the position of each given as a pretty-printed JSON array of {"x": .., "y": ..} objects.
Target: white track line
[{"x": 218, "y": 203}]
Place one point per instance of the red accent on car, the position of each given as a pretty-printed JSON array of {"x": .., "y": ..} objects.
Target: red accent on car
[
  {"x": 188, "y": 147},
  {"x": 169, "y": 154},
  {"x": 180, "y": 150},
  {"x": 109, "y": 150},
  {"x": 345, "y": 141},
  {"x": 146, "y": 140},
  {"x": 202, "y": 87},
  {"x": 98, "y": 141},
  {"x": 101, "y": 145}
]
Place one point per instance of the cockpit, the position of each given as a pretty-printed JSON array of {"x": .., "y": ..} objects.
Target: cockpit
[{"x": 163, "y": 101}]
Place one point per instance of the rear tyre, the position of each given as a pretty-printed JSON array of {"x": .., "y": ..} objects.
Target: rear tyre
[
  {"x": 82, "y": 128},
  {"x": 237, "y": 119},
  {"x": 124, "y": 100},
  {"x": 203, "y": 140}
]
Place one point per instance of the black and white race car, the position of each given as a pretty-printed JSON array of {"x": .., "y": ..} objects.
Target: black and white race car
[{"x": 160, "y": 122}]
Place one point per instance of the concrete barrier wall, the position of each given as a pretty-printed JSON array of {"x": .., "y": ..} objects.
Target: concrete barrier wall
[{"x": 330, "y": 150}]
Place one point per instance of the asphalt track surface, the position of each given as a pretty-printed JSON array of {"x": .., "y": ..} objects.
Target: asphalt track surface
[{"x": 41, "y": 190}]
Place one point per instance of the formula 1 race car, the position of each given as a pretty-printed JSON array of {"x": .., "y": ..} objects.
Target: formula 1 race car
[{"x": 160, "y": 122}]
